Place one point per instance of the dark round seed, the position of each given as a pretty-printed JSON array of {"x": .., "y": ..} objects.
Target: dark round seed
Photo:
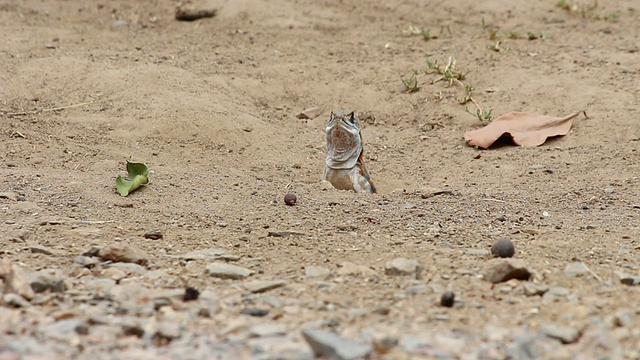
[
  {"x": 190, "y": 293},
  {"x": 290, "y": 199},
  {"x": 503, "y": 248},
  {"x": 447, "y": 299}
]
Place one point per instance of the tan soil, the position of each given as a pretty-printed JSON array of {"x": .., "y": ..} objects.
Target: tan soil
[{"x": 210, "y": 106}]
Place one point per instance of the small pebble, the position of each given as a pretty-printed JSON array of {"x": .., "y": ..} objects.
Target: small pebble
[
  {"x": 254, "y": 312},
  {"x": 290, "y": 199},
  {"x": 500, "y": 270},
  {"x": 503, "y": 248},
  {"x": 447, "y": 299},
  {"x": 153, "y": 236}
]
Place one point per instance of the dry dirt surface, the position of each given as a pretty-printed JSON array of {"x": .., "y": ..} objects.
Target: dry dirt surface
[{"x": 207, "y": 262}]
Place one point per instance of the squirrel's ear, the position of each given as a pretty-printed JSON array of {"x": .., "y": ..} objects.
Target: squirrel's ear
[{"x": 352, "y": 117}]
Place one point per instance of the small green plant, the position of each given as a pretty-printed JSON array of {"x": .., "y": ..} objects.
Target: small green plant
[
  {"x": 482, "y": 115},
  {"x": 611, "y": 16},
  {"x": 426, "y": 33},
  {"x": 586, "y": 11},
  {"x": 491, "y": 30},
  {"x": 496, "y": 47},
  {"x": 450, "y": 74},
  {"x": 533, "y": 36},
  {"x": 513, "y": 35},
  {"x": 497, "y": 37},
  {"x": 410, "y": 84},
  {"x": 414, "y": 30}
]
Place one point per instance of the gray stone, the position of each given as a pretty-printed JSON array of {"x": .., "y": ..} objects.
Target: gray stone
[
  {"x": 227, "y": 271},
  {"x": 156, "y": 276},
  {"x": 42, "y": 282},
  {"x": 63, "y": 327},
  {"x": 94, "y": 251},
  {"x": 99, "y": 286},
  {"x": 532, "y": 289},
  {"x": 402, "y": 266},
  {"x": 500, "y": 270},
  {"x": 310, "y": 113},
  {"x": 29, "y": 345},
  {"x": 21, "y": 234},
  {"x": 127, "y": 324},
  {"x": 384, "y": 342},
  {"x": 284, "y": 233},
  {"x": 575, "y": 269},
  {"x": 94, "y": 233},
  {"x": 169, "y": 330},
  {"x": 260, "y": 286},
  {"x": 86, "y": 261},
  {"x": 528, "y": 346},
  {"x": 624, "y": 318},
  {"x": 129, "y": 268},
  {"x": 332, "y": 346},
  {"x": 415, "y": 345},
  {"x": 415, "y": 289},
  {"x": 103, "y": 334},
  {"x": 9, "y": 196},
  {"x": 43, "y": 250},
  {"x": 348, "y": 268},
  {"x": 16, "y": 279},
  {"x": 124, "y": 253},
  {"x": 566, "y": 335},
  {"x": 168, "y": 294},
  {"x": 276, "y": 348},
  {"x": 209, "y": 254},
  {"x": 267, "y": 329},
  {"x": 314, "y": 271},
  {"x": 477, "y": 252},
  {"x": 128, "y": 292},
  {"x": 556, "y": 292},
  {"x": 381, "y": 310},
  {"x": 630, "y": 280},
  {"x": 15, "y": 300},
  {"x": 114, "y": 273}
]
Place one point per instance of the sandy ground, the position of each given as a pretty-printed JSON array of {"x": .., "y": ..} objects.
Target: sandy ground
[{"x": 210, "y": 106}]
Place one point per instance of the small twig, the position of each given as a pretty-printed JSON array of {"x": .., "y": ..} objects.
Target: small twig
[
  {"x": 33, "y": 112},
  {"x": 475, "y": 103},
  {"x": 16, "y": 133},
  {"x": 93, "y": 222},
  {"x": 591, "y": 272},
  {"x": 496, "y": 200},
  {"x": 436, "y": 193}
]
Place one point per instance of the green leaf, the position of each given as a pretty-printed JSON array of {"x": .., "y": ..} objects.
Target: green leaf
[{"x": 138, "y": 176}]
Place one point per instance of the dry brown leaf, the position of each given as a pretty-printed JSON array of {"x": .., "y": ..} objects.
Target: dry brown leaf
[{"x": 526, "y": 129}]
